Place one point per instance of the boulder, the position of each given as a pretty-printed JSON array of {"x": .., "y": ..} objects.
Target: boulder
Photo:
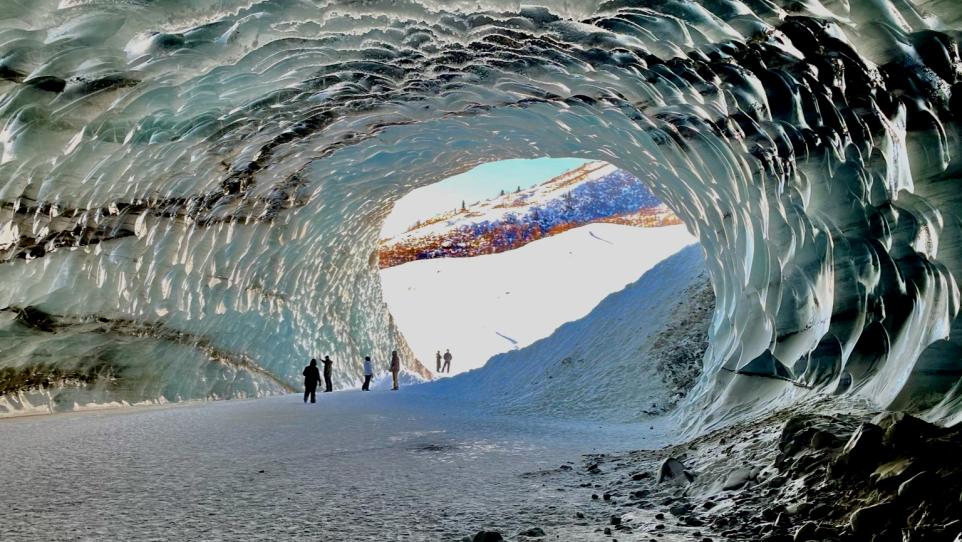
[
  {"x": 826, "y": 532},
  {"x": 893, "y": 472},
  {"x": 915, "y": 488},
  {"x": 823, "y": 439},
  {"x": 806, "y": 532},
  {"x": 905, "y": 432},
  {"x": 870, "y": 519},
  {"x": 812, "y": 431},
  {"x": 673, "y": 470},
  {"x": 534, "y": 532},
  {"x": 864, "y": 449},
  {"x": 737, "y": 479},
  {"x": 487, "y": 536}
]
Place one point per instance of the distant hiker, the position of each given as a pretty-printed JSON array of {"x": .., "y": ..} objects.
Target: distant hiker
[
  {"x": 328, "y": 363},
  {"x": 368, "y": 374},
  {"x": 438, "y": 355},
  {"x": 311, "y": 377},
  {"x": 447, "y": 362},
  {"x": 395, "y": 368}
]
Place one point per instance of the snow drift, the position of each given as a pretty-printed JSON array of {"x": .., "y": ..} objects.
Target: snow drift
[
  {"x": 612, "y": 364},
  {"x": 192, "y": 191}
]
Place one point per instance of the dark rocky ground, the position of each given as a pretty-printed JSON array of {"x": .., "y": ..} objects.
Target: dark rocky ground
[{"x": 825, "y": 472}]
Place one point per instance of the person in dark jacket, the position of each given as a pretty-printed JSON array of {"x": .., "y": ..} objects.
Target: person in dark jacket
[
  {"x": 328, "y": 364},
  {"x": 446, "y": 368},
  {"x": 311, "y": 377}
]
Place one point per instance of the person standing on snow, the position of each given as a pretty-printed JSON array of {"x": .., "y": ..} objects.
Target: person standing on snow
[
  {"x": 328, "y": 364},
  {"x": 368, "y": 374},
  {"x": 438, "y": 355},
  {"x": 395, "y": 368},
  {"x": 311, "y": 377},
  {"x": 447, "y": 361}
]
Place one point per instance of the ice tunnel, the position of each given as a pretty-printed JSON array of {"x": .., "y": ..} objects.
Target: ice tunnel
[{"x": 191, "y": 192}]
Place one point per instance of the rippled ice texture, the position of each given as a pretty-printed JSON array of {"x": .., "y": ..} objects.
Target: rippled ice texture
[{"x": 191, "y": 191}]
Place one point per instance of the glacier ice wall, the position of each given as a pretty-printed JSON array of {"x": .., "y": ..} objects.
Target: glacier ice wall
[{"x": 190, "y": 191}]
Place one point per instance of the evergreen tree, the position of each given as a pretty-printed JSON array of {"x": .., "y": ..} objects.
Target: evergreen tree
[{"x": 463, "y": 206}]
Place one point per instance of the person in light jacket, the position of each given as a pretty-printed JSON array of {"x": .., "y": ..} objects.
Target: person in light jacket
[
  {"x": 368, "y": 374},
  {"x": 395, "y": 368}
]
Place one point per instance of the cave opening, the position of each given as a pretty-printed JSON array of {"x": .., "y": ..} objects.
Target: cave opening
[{"x": 498, "y": 257}]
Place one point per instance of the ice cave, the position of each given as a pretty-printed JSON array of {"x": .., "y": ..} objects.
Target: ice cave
[{"x": 191, "y": 194}]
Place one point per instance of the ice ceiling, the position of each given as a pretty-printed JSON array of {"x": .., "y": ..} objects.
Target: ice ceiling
[{"x": 191, "y": 191}]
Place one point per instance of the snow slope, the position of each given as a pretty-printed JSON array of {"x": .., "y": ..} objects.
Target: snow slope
[
  {"x": 594, "y": 193},
  {"x": 621, "y": 362},
  {"x": 499, "y": 207},
  {"x": 485, "y": 305}
]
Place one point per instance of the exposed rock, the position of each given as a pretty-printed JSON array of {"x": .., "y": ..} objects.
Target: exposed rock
[
  {"x": 824, "y": 439},
  {"x": 809, "y": 486},
  {"x": 673, "y": 470},
  {"x": 737, "y": 478},
  {"x": 893, "y": 471},
  {"x": 863, "y": 449},
  {"x": 904, "y": 432},
  {"x": 806, "y": 532},
  {"x": 487, "y": 536},
  {"x": 915, "y": 488},
  {"x": 534, "y": 532},
  {"x": 870, "y": 519}
]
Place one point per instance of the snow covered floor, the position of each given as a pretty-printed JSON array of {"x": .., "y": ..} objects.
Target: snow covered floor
[
  {"x": 355, "y": 466},
  {"x": 485, "y": 305}
]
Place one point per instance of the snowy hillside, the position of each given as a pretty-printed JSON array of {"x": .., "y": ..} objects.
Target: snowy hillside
[
  {"x": 485, "y": 305},
  {"x": 634, "y": 355},
  {"x": 594, "y": 192}
]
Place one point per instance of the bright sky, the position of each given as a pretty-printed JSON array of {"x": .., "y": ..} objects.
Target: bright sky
[{"x": 480, "y": 183}]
